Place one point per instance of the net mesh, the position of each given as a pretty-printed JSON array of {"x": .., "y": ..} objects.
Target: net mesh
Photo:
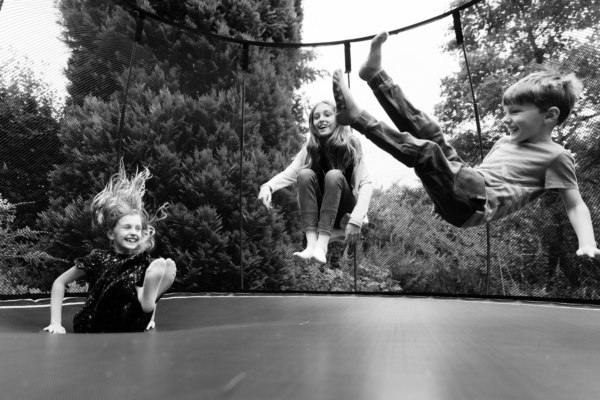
[{"x": 214, "y": 97}]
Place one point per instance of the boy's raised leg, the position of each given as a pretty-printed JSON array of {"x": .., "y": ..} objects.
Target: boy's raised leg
[
  {"x": 346, "y": 109},
  {"x": 372, "y": 64}
]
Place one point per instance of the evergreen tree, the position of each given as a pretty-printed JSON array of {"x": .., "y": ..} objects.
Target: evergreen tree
[
  {"x": 183, "y": 120},
  {"x": 29, "y": 143},
  {"x": 21, "y": 254}
]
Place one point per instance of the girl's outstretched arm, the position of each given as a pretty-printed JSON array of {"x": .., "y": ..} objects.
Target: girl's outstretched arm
[{"x": 56, "y": 298}]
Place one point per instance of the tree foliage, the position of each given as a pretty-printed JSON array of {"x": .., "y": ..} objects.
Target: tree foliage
[
  {"x": 29, "y": 143},
  {"x": 20, "y": 248},
  {"x": 504, "y": 41},
  {"x": 182, "y": 96}
]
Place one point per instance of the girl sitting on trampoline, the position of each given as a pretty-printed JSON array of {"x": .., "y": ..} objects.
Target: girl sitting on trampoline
[
  {"x": 124, "y": 282},
  {"x": 517, "y": 170},
  {"x": 333, "y": 181}
]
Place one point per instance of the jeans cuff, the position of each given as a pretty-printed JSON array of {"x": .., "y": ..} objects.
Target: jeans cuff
[
  {"x": 379, "y": 79},
  {"x": 361, "y": 122}
]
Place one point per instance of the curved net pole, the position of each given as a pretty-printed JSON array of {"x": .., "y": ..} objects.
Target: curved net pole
[
  {"x": 460, "y": 41},
  {"x": 138, "y": 36},
  {"x": 245, "y": 60}
]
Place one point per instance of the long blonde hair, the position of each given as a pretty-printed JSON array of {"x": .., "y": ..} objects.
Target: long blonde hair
[
  {"x": 342, "y": 148},
  {"x": 123, "y": 196}
]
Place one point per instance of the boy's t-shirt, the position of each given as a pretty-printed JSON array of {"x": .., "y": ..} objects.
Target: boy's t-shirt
[{"x": 518, "y": 173}]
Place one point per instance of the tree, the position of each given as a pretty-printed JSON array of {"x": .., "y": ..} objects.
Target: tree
[
  {"x": 21, "y": 249},
  {"x": 29, "y": 143},
  {"x": 183, "y": 121}
]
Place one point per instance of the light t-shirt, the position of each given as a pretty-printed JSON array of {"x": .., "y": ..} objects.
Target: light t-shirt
[{"x": 518, "y": 173}]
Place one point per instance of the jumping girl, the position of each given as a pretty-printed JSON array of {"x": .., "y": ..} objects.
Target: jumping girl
[
  {"x": 124, "y": 282},
  {"x": 332, "y": 181}
]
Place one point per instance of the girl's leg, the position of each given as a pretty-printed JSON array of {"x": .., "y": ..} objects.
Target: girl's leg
[
  {"x": 168, "y": 277},
  {"x": 311, "y": 241},
  {"x": 337, "y": 201},
  {"x": 149, "y": 292},
  {"x": 309, "y": 199}
]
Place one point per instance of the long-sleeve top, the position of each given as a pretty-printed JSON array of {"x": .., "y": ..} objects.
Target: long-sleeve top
[{"x": 362, "y": 187}]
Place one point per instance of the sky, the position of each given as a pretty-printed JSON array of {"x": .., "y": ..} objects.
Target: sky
[
  {"x": 413, "y": 59},
  {"x": 29, "y": 29}
]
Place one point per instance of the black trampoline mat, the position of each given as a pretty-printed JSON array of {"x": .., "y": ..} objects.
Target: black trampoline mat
[{"x": 309, "y": 347}]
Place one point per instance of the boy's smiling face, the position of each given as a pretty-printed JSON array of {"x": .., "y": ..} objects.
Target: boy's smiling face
[{"x": 527, "y": 123}]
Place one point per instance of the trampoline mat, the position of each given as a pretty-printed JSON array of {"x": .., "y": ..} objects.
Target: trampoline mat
[{"x": 309, "y": 347}]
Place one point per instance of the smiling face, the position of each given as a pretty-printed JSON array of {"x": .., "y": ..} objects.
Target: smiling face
[
  {"x": 127, "y": 234},
  {"x": 323, "y": 119},
  {"x": 526, "y": 123}
]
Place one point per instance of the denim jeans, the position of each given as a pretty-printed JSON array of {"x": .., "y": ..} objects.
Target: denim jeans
[
  {"x": 457, "y": 191},
  {"x": 322, "y": 211}
]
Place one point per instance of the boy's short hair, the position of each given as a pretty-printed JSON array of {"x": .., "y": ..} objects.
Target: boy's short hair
[{"x": 545, "y": 89}]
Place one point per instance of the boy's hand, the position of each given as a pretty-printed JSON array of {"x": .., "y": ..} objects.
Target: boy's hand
[
  {"x": 589, "y": 251},
  {"x": 55, "y": 328},
  {"x": 435, "y": 214}
]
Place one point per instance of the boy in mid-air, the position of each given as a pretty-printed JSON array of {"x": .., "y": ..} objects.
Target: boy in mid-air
[{"x": 518, "y": 169}]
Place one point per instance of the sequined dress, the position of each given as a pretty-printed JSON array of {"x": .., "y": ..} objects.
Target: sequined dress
[{"x": 112, "y": 304}]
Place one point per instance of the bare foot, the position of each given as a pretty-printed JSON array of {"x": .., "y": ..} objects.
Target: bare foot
[
  {"x": 319, "y": 256},
  {"x": 168, "y": 277},
  {"x": 303, "y": 255},
  {"x": 372, "y": 65},
  {"x": 346, "y": 109},
  {"x": 154, "y": 275}
]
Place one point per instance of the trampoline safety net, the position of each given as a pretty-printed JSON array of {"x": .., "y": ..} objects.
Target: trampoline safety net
[{"x": 213, "y": 97}]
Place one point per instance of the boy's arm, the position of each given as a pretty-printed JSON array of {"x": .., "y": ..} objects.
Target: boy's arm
[
  {"x": 580, "y": 218},
  {"x": 56, "y": 298}
]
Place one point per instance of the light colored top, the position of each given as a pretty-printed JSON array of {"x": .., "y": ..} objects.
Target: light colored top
[
  {"x": 518, "y": 173},
  {"x": 362, "y": 187}
]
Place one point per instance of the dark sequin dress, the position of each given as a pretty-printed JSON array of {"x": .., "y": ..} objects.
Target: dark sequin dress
[{"x": 112, "y": 304}]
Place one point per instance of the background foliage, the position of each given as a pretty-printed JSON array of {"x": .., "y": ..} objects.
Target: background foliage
[{"x": 173, "y": 102}]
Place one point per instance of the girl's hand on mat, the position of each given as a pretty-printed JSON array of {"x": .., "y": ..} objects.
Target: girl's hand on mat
[
  {"x": 55, "y": 328},
  {"x": 151, "y": 325},
  {"x": 589, "y": 251}
]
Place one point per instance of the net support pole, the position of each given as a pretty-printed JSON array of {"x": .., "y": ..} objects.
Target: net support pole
[
  {"x": 348, "y": 65},
  {"x": 347, "y": 60},
  {"x": 460, "y": 42},
  {"x": 139, "y": 29},
  {"x": 245, "y": 64}
]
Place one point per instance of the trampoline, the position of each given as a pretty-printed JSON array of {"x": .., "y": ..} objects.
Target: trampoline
[{"x": 241, "y": 346}]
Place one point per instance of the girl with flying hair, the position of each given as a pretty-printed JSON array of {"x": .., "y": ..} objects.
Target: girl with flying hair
[
  {"x": 125, "y": 283},
  {"x": 334, "y": 187}
]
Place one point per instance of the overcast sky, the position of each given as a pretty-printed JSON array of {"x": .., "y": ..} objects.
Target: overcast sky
[
  {"x": 28, "y": 28},
  {"x": 413, "y": 58}
]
